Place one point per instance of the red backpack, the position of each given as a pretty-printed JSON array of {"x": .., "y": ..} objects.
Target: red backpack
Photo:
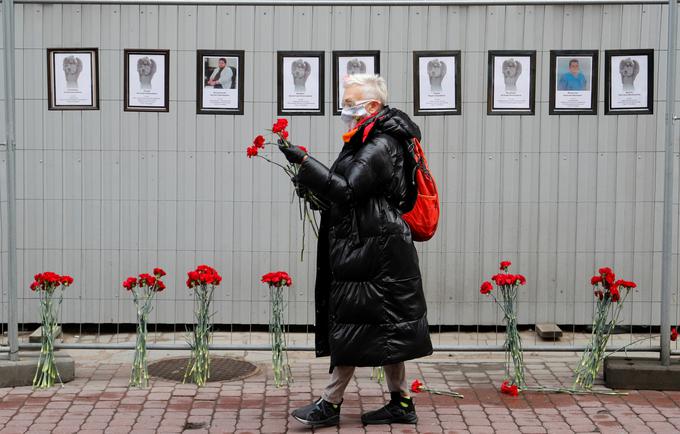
[{"x": 424, "y": 216}]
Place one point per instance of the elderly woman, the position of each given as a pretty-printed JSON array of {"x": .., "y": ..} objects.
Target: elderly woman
[{"x": 370, "y": 306}]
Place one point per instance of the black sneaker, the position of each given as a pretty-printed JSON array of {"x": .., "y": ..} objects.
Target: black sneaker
[
  {"x": 319, "y": 413},
  {"x": 398, "y": 410}
]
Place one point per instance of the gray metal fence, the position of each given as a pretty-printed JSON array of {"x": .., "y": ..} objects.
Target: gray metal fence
[{"x": 106, "y": 194}]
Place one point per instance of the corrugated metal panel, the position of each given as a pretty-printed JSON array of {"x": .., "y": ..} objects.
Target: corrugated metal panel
[{"x": 106, "y": 194}]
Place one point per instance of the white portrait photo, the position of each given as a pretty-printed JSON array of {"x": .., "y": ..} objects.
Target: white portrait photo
[
  {"x": 146, "y": 85},
  {"x": 350, "y": 65},
  {"x": 628, "y": 82},
  {"x": 73, "y": 79},
  {"x": 436, "y": 83},
  {"x": 220, "y": 86},
  {"x": 512, "y": 82},
  {"x": 299, "y": 83},
  {"x": 574, "y": 84}
]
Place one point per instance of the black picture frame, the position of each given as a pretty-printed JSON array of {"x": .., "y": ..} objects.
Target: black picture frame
[
  {"x": 128, "y": 106},
  {"x": 54, "y": 102},
  {"x": 594, "y": 81},
  {"x": 648, "y": 107},
  {"x": 337, "y": 86},
  {"x": 236, "y": 81},
  {"x": 492, "y": 107},
  {"x": 418, "y": 108},
  {"x": 286, "y": 108}
]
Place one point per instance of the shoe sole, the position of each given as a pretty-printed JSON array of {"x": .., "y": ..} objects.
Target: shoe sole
[
  {"x": 335, "y": 420},
  {"x": 409, "y": 419}
]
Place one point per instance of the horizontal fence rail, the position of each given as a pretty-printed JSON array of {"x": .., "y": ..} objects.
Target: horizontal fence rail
[
  {"x": 354, "y": 2},
  {"x": 107, "y": 194}
]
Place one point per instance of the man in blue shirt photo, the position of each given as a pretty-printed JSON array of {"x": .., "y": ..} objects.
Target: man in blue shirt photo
[{"x": 574, "y": 79}]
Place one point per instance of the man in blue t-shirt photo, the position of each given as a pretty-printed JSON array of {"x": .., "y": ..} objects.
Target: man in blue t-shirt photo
[{"x": 574, "y": 79}]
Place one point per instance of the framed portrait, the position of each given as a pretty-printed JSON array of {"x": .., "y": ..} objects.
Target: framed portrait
[
  {"x": 346, "y": 63},
  {"x": 72, "y": 79},
  {"x": 436, "y": 82},
  {"x": 300, "y": 83},
  {"x": 629, "y": 82},
  {"x": 511, "y": 82},
  {"x": 147, "y": 81},
  {"x": 220, "y": 82},
  {"x": 573, "y": 82}
]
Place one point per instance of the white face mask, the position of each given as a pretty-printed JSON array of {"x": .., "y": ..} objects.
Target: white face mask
[{"x": 351, "y": 115}]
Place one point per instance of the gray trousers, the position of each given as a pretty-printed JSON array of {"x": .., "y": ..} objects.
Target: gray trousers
[{"x": 395, "y": 376}]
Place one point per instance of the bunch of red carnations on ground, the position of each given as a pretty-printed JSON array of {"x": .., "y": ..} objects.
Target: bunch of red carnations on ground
[
  {"x": 307, "y": 201},
  {"x": 143, "y": 288},
  {"x": 48, "y": 285},
  {"x": 203, "y": 281},
  {"x": 610, "y": 293},
  {"x": 278, "y": 282},
  {"x": 508, "y": 287}
]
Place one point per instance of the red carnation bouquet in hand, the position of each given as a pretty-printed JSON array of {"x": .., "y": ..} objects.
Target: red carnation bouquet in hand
[
  {"x": 610, "y": 293},
  {"x": 307, "y": 201},
  {"x": 508, "y": 287},
  {"x": 278, "y": 281},
  {"x": 203, "y": 281},
  {"x": 143, "y": 288},
  {"x": 46, "y": 285}
]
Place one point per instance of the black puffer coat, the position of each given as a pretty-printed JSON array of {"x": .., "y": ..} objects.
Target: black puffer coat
[{"x": 370, "y": 306}]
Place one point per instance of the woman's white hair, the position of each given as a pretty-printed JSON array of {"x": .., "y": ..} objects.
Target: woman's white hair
[{"x": 372, "y": 85}]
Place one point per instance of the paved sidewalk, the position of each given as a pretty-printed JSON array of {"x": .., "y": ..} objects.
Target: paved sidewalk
[{"x": 100, "y": 401}]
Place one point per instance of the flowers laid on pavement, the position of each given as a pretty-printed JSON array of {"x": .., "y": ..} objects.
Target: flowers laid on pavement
[
  {"x": 47, "y": 285},
  {"x": 143, "y": 288},
  {"x": 610, "y": 294},
  {"x": 508, "y": 287},
  {"x": 278, "y": 281},
  {"x": 509, "y": 389},
  {"x": 417, "y": 386},
  {"x": 307, "y": 201},
  {"x": 203, "y": 281}
]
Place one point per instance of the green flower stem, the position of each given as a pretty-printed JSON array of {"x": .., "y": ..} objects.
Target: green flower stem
[
  {"x": 280, "y": 365},
  {"x": 573, "y": 391},
  {"x": 143, "y": 298},
  {"x": 442, "y": 392},
  {"x": 198, "y": 369},
  {"x": 378, "y": 374},
  {"x": 46, "y": 372},
  {"x": 513, "y": 342},
  {"x": 606, "y": 318}
]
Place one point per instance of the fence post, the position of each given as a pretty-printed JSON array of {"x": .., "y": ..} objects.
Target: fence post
[
  {"x": 12, "y": 308},
  {"x": 668, "y": 187}
]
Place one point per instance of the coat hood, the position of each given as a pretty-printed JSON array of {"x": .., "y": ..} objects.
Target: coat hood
[{"x": 397, "y": 124}]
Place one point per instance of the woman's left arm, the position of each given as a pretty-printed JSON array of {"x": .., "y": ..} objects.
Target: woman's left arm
[{"x": 370, "y": 168}]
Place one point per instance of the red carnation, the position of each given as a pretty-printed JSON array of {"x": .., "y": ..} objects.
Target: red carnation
[
  {"x": 130, "y": 283},
  {"x": 522, "y": 280},
  {"x": 674, "y": 334},
  {"x": 508, "y": 389},
  {"x": 303, "y": 149},
  {"x": 505, "y": 265},
  {"x": 595, "y": 280},
  {"x": 284, "y": 134},
  {"x": 599, "y": 294},
  {"x": 251, "y": 151},
  {"x": 66, "y": 280},
  {"x": 146, "y": 279},
  {"x": 259, "y": 142},
  {"x": 160, "y": 286},
  {"x": 158, "y": 272},
  {"x": 614, "y": 292},
  {"x": 605, "y": 270},
  {"x": 280, "y": 125},
  {"x": 610, "y": 278},
  {"x": 417, "y": 386},
  {"x": 486, "y": 288},
  {"x": 34, "y": 286}
]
